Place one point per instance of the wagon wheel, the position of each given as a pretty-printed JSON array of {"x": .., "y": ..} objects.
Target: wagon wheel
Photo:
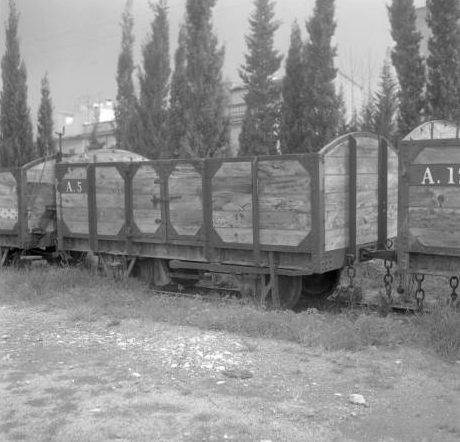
[
  {"x": 321, "y": 284},
  {"x": 290, "y": 291}
]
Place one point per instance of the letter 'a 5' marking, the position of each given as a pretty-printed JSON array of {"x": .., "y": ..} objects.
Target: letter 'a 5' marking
[{"x": 73, "y": 186}]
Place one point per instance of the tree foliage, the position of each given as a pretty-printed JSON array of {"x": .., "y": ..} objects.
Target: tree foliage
[
  {"x": 408, "y": 63},
  {"x": 343, "y": 126},
  {"x": 177, "y": 144},
  {"x": 17, "y": 146},
  {"x": 205, "y": 99},
  {"x": 386, "y": 104},
  {"x": 443, "y": 85},
  {"x": 320, "y": 98},
  {"x": 125, "y": 109},
  {"x": 292, "y": 132},
  {"x": 366, "y": 115},
  {"x": 45, "y": 141},
  {"x": 154, "y": 85},
  {"x": 259, "y": 133}
]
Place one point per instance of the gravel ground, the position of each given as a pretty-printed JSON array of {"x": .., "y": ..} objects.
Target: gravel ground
[{"x": 64, "y": 380}]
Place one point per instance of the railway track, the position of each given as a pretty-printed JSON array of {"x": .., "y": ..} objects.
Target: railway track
[{"x": 231, "y": 295}]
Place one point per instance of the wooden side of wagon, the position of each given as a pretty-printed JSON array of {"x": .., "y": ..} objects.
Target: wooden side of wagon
[
  {"x": 27, "y": 206},
  {"x": 291, "y": 213},
  {"x": 429, "y": 234}
]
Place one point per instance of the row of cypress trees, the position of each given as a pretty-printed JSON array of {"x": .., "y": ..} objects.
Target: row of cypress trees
[
  {"x": 194, "y": 122},
  {"x": 428, "y": 89},
  {"x": 17, "y": 146},
  {"x": 302, "y": 112},
  {"x": 183, "y": 115}
]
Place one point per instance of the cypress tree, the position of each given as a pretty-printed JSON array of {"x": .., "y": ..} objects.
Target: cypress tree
[
  {"x": 259, "y": 132},
  {"x": 320, "y": 99},
  {"x": 206, "y": 122},
  {"x": 177, "y": 145},
  {"x": 443, "y": 84},
  {"x": 154, "y": 85},
  {"x": 408, "y": 63},
  {"x": 125, "y": 108},
  {"x": 342, "y": 124},
  {"x": 15, "y": 125},
  {"x": 366, "y": 117},
  {"x": 386, "y": 104},
  {"x": 45, "y": 142},
  {"x": 292, "y": 133}
]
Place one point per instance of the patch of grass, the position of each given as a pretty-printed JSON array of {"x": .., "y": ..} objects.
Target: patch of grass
[
  {"x": 441, "y": 330},
  {"x": 87, "y": 297}
]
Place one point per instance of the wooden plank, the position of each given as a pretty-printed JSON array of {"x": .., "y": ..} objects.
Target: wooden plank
[
  {"x": 268, "y": 220},
  {"x": 284, "y": 194},
  {"x": 185, "y": 188},
  {"x": 8, "y": 201},
  {"x": 434, "y": 237},
  {"x": 338, "y": 238},
  {"x": 339, "y": 166},
  {"x": 365, "y": 215},
  {"x": 112, "y": 228},
  {"x": 111, "y": 200},
  {"x": 239, "y": 236},
  {"x": 76, "y": 172},
  {"x": 433, "y": 197},
  {"x": 39, "y": 188},
  {"x": 145, "y": 189},
  {"x": 232, "y": 202},
  {"x": 337, "y": 201},
  {"x": 70, "y": 200},
  {"x": 435, "y": 218},
  {"x": 43, "y": 172},
  {"x": 7, "y": 223},
  {"x": 145, "y": 202},
  {"x": 76, "y": 226},
  {"x": 439, "y": 155},
  {"x": 285, "y": 220},
  {"x": 234, "y": 220},
  {"x": 76, "y": 213},
  {"x": 145, "y": 220},
  {"x": 272, "y": 237},
  {"x": 338, "y": 183}
]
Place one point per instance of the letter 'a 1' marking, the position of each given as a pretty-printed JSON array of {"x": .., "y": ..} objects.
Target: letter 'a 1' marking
[{"x": 434, "y": 175}]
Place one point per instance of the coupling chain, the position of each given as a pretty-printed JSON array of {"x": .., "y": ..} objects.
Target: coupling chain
[
  {"x": 388, "y": 279},
  {"x": 389, "y": 243},
  {"x": 351, "y": 271},
  {"x": 419, "y": 293},
  {"x": 453, "y": 285}
]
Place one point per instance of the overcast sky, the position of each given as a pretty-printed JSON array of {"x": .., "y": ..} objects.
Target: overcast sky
[{"x": 77, "y": 41}]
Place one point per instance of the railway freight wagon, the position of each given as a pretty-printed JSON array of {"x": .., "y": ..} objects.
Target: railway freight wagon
[
  {"x": 284, "y": 224},
  {"x": 28, "y": 220},
  {"x": 27, "y": 207},
  {"x": 429, "y": 216}
]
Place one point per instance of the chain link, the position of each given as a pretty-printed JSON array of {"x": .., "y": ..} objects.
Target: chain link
[
  {"x": 453, "y": 285},
  {"x": 419, "y": 293},
  {"x": 351, "y": 273},
  {"x": 388, "y": 279}
]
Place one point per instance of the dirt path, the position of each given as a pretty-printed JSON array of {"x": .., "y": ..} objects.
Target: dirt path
[{"x": 61, "y": 380}]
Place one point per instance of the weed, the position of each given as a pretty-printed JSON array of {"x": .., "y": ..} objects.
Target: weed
[
  {"x": 441, "y": 330},
  {"x": 88, "y": 297}
]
